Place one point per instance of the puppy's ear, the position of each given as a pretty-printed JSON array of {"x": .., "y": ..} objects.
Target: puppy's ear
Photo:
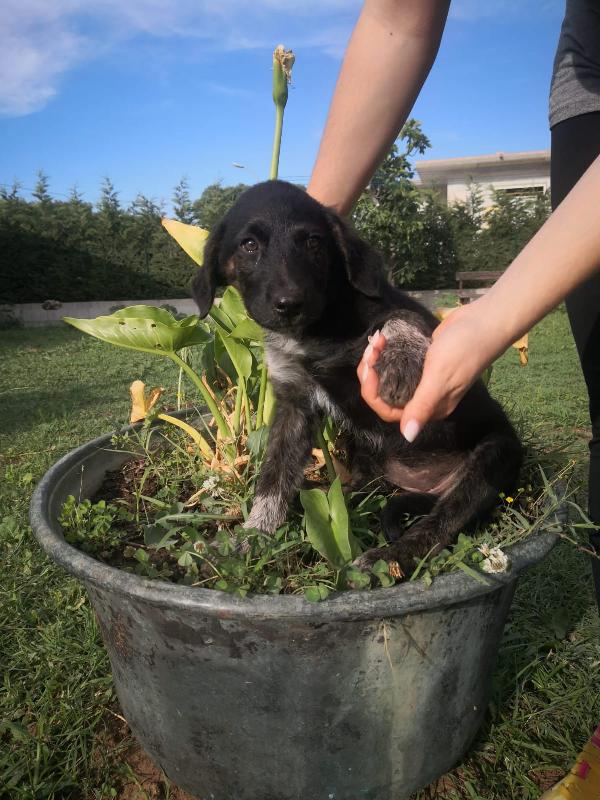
[
  {"x": 363, "y": 264},
  {"x": 208, "y": 276}
]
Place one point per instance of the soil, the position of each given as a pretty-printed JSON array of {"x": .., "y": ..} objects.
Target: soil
[{"x": 149, "y": 782}]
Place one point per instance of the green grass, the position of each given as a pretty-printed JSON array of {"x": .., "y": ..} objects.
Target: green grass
[{"x": 59, "y": 388}]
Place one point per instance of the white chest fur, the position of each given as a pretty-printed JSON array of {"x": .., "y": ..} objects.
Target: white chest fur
[{"x": 284, "y": 360}]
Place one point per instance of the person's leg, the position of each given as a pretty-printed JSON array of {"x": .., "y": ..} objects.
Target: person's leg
[{"x": 575, "y": 144}]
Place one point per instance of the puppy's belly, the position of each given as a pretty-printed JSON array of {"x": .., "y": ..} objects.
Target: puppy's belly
[{"x": 434, "y": 476}]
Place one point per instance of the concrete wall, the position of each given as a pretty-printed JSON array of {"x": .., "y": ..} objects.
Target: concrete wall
[{"x": 32, "y": 315}]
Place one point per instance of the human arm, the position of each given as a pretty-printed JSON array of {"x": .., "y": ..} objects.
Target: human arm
[
  {"x": 387, "y": 60},
  {"x": 562, "y": 255}
]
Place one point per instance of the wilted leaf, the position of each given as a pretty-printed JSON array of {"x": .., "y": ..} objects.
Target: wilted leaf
[
  {"x": 444, "y": 311},
  {"x": 140, "y": 403},
  {"x": 190, "y": 238}
]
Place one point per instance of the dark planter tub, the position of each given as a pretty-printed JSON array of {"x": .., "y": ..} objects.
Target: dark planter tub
[{"x": 365, "y": 696}]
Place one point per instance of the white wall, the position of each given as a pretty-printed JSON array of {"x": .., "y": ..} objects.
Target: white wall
[
  {"x": 32, "y": 315},
  {"x": 507, "y": 177}
]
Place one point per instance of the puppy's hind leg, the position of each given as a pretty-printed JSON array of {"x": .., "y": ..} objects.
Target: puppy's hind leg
[
  {"x": 491, "y": 468},
  {"x": 413, "y": 503}
]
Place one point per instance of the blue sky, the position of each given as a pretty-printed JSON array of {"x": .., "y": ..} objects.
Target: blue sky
[{"x": 146, "y": 91}]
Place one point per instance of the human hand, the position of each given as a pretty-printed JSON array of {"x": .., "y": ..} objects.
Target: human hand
[{"x": 462, "y": 347}]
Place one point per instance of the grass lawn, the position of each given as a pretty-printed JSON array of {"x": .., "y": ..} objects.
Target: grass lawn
[{"x": 60, "y": 732}]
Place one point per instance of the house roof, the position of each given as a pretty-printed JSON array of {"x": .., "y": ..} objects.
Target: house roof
[{"x": 473, "y": 162}]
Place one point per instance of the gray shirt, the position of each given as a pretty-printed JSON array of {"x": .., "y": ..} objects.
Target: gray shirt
[{"x": 575, "y": 85}]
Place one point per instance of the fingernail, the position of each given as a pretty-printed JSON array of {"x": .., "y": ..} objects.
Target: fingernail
[
  {"x": 411, "y": 430},
  {"x": 365, "y": 373},
  {"x": 376, "y": 335}
]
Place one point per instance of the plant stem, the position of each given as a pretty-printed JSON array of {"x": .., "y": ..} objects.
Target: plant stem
[
  {"x": 326, "y": 454},
  {"x": 261, "y": 392},
  {"x": 276, "y": 142},
  {"x": 222, "y": 425},
  {"x": 180, "y": 398},
  {"x": 246, "y": 406},
  {"x": 238, "y": 407}
]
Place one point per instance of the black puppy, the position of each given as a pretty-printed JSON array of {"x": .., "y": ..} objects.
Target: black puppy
[{"x": 319, "y": 291}]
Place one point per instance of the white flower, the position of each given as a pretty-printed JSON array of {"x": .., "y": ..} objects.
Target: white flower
[
  {"x": 495, "y": 559},
  {"x": 210, "y": 484}
]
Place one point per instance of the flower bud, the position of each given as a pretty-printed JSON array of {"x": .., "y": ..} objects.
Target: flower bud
[{"x": 283, "y": 61}]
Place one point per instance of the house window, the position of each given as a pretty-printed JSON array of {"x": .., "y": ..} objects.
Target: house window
[{"x": 523, "y": 191}]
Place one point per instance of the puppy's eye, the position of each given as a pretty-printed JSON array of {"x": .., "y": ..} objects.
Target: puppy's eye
[
  {"x": 313, "y": 242},
  {"x": 249, "y": 245}
]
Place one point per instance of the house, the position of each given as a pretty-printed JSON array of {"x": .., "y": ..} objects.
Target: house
[{"x": 520, "y": 174}]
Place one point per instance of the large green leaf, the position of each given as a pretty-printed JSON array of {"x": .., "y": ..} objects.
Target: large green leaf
[
  {"x": 220, "y": 318},
  {"x": 145, "y": 328},
  {"x": 248, "y": 329},
  {"x": 233, "y": 305},
  {"x": 318, "y": 525},
  {"x": 240, "y": 355},
  {"x": 339, "y": 519}
]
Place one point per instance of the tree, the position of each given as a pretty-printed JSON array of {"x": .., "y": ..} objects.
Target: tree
[
  {"x": 109, "y": 199},
  {"x": 12, "y": 193},
  {"x": 490, "y": 238},
  {"x": 182, "y": 204},
  {"x": 214, "y": 202},
  {"x": 409, "y": 228},
  {"x": 40, "y": 192}
]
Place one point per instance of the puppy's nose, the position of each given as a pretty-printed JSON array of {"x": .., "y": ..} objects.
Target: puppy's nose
[{"x": 286, "y": 305}]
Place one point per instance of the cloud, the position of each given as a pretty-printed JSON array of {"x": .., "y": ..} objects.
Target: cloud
[
  {"x": 35, "y": 48},
  {"x": 41, "y": 40}
]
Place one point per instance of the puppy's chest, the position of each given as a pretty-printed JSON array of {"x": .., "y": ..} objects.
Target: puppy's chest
[{"x": 314, "y": 377}]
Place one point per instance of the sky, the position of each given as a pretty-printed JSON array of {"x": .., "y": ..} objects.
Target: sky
[{"x": 148, "y": 91}]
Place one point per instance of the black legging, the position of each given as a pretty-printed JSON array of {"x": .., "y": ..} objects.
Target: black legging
[{"x": 575, "y": 144}]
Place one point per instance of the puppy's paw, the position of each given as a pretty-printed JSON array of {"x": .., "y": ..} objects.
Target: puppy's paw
[
  {"x": 267, "y": 514},
  {"x": 400, "y": 363},
  {"x": 366, "y": 560},
  {"x": 401, "y": 558}
]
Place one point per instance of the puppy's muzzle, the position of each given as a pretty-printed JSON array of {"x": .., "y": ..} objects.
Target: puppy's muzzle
[{"x": 288, "y": 305}]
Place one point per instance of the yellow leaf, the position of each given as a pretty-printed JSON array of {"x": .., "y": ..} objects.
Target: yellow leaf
[
  {"x": 201, "y": 442},
  {"x": 140, "y": 404},
  {"x": 190, "y": 238},
  {"x": 138, "y": 401},
  {"x": 522, "y": 342},
  {"x": 444, "y": 311},
  {"x": 522, "y": 345}
]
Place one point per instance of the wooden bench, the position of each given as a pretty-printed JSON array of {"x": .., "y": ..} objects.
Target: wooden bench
[{"x": 485, "y": 277}]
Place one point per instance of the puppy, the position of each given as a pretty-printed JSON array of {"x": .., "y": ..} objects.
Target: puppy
[{"x": 319, "y": 291}]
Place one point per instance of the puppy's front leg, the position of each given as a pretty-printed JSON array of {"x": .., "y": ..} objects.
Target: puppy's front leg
[
  {"x": 400, "y": 364},
  {"x": 288, "y": 450}
]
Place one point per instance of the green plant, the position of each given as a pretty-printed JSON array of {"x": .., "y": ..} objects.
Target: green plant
[{"x": 92, "y": 526}]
